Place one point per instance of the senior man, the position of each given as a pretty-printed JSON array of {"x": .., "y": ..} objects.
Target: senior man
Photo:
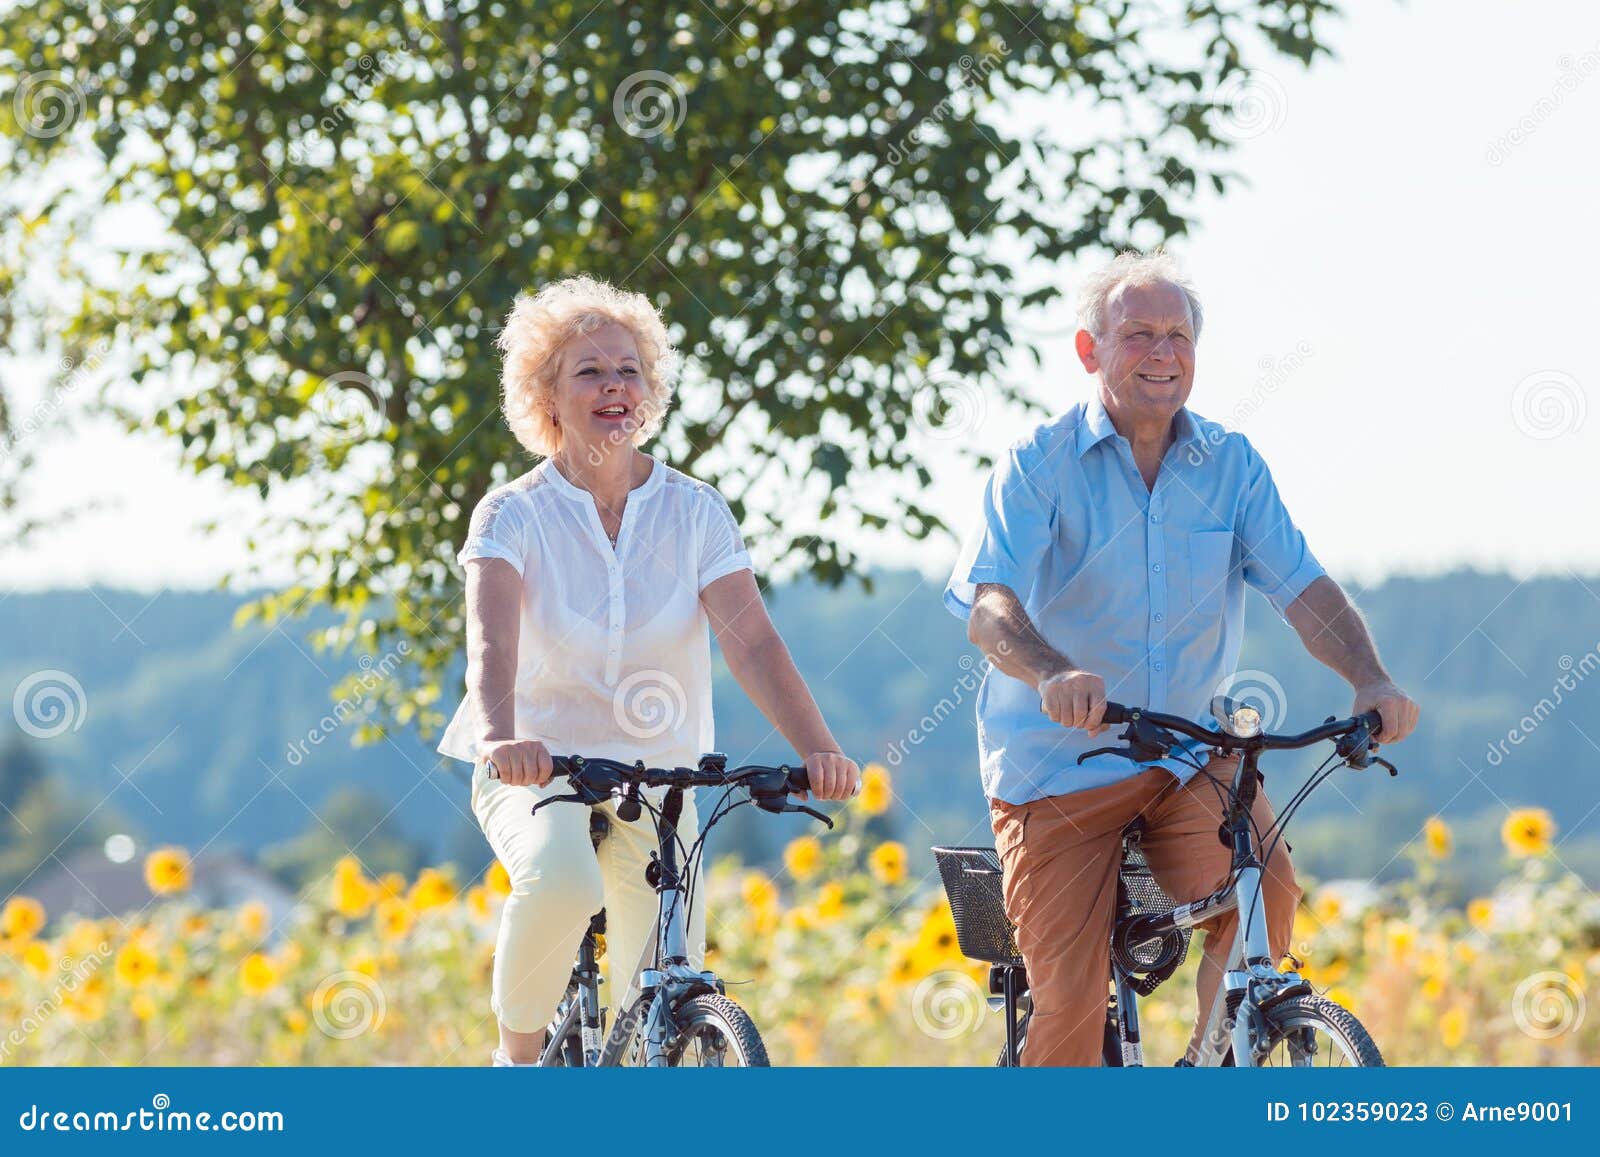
[{"x": 1116, "y": 544}]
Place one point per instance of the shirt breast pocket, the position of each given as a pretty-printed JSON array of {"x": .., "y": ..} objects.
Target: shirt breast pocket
[{"x": 1210, "y": 562}]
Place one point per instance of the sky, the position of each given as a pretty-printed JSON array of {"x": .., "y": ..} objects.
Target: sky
[{"x": 1400, "y": 303}]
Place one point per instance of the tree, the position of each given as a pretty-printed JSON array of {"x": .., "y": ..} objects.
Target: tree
[{"x": 841, "y": 207}]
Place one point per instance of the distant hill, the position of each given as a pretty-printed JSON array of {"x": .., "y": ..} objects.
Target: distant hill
[{"x": 189, "y": 723}]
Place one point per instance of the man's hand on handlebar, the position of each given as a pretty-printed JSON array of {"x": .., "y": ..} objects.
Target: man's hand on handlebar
[
  {"x": 1074, "y": 698},
  {"x": 833, "y": 775},
  {"x": 519, "y": 762},
  {"x": 1398, "y": 710}
]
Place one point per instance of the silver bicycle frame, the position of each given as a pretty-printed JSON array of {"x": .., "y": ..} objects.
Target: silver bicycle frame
[
  {"x": 656, "y": 984},
  {"x": 1251, "y": 971}
]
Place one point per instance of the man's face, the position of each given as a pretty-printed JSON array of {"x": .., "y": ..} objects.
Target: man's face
[{"x": 1145, "y": 358}]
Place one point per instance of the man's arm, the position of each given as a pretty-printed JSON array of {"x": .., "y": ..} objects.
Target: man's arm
[
  {"x": 1336, "y": 635},
  {"x": 1001, "y": 629}
]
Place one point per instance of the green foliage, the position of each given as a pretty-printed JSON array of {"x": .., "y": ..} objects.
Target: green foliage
[{"x": 831, "y": 201}]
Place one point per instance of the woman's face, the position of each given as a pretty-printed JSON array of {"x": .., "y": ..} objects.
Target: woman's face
[{"x": 600, "y": 387}]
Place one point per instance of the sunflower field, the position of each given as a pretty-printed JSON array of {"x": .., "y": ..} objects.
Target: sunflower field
[{"x": 843, "y": 957}]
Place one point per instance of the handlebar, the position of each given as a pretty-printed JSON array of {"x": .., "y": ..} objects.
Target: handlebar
[
  {"x": 594, "y": 780},
  {"x": 1116, "y": 714},
  {"x": 1150, "y": 736}
]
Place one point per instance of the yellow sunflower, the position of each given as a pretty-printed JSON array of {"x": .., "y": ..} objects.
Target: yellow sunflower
[
  {"x": 1438, "y": 837},
  {"x": 1528, "y": 831},
  {"x": 876, "y": 791},
  {"x": 136, "y": 964},
  {"x": 353, "y": 893},
  {"x": 166, "y": 870},
  {"x": 803, "y": 857},
  {"x": 758, "y": 891},
  {"x": 497, "y": 879},
  {"x": 888, "y": 862},
  {"x": 22, "y": 918},
  {"x": 393, "y": 918},
  {"x": 433, "y": 889},
  {"x": 257, "y": 974},
  {"x": 253, "y": 920}
]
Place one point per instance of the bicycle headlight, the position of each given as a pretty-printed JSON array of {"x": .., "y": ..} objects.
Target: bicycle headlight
[{"x": 1245, "y": 721}]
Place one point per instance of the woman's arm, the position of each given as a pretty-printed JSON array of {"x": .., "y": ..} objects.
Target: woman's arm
[
  {"x": 494, "y": 621},
  {"x": 760, "y": 661}
]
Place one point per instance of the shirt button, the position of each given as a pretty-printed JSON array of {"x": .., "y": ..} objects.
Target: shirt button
[
  {"x": 1158, "y": 666},
  {"x": 1155, "y": 518},
  {"x": 1159, "y": 616},
  {"x": 1157, "y": 568}
]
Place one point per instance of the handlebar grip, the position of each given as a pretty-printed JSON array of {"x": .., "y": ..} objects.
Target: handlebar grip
[
  {"x": 562, "y": 763},
  {"x": 1116, "y": 714},
  {"x": 799, "y": 779},
  {"x": 1374, "y": 722}
]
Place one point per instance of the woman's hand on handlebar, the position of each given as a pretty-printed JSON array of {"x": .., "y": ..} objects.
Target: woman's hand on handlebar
[
  {"x": 832, "y": 775},
  {"x": 519, "y": 762}
]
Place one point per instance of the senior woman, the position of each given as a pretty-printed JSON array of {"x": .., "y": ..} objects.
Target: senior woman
[{"x": 591, "y": 580}]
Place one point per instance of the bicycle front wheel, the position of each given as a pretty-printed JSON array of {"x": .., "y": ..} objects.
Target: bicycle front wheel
[
  {"x": 1314, "y": 1032},
  {"x": 715, "y": 1033}
]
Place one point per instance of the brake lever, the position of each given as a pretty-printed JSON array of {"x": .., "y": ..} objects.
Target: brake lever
[
  {"x": 1382, "y": 762},
  {"x": 810, "y": 811},
  {"x": 1146, "y": 742},
  {"x": 547, "y": 801}
]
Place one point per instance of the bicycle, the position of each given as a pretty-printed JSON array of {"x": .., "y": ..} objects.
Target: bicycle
[
  {"x": 681, "y": 1015},
  {"x": 1261, "y": 1015}
]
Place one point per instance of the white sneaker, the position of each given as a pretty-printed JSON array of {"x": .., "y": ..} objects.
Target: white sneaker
[{"x": 500, "y": 1060}]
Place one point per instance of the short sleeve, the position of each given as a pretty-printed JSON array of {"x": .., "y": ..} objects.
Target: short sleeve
[
  {"x": 1008, "y": 546},
  {"x": 1276, "y": 559},
  {"x": 722, "y": 548},
  {"x": 499, "y": 529}
]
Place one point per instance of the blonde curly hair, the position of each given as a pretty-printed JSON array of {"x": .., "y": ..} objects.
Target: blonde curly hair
[{"x": 540, "y": 324}]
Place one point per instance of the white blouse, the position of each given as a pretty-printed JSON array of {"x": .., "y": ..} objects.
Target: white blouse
[{"x": 614, "y": 654}]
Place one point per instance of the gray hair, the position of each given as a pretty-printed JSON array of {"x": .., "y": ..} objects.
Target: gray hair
[{"x": 1131, "y": 267}]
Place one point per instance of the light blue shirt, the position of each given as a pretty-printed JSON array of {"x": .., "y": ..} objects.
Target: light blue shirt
[{"x": 1144, "y": 588}]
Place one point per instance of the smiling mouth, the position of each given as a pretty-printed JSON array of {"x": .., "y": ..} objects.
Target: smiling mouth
[
  {"x": 1159, "y": 379},
  {"x": 612, "y": 412}
]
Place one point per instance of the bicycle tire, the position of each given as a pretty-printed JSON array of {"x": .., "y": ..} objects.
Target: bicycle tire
[
  {"x": 702, "y": 1014},
  {"x": 570, "y": 1053},
  {"x": 1318, "y": 1012}
]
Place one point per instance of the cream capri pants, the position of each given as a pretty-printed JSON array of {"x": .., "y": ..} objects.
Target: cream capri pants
[{"x": 558, "y": 881}]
